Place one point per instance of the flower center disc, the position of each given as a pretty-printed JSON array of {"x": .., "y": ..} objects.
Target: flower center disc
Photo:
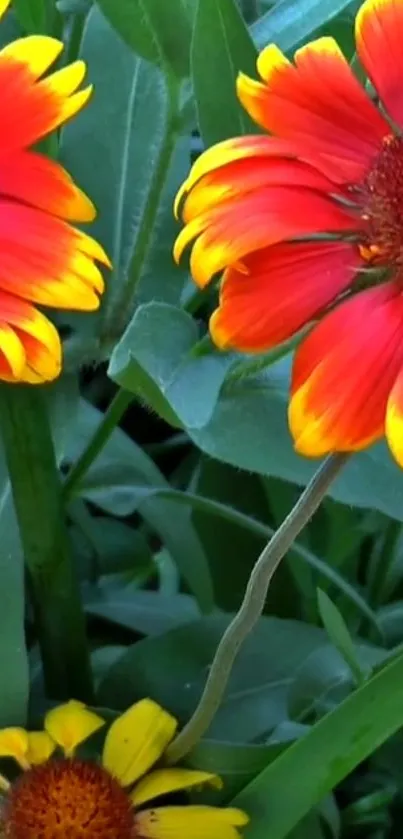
[
  {"x": 67, "y": 799},
  {"x": 383, "y": 203}
]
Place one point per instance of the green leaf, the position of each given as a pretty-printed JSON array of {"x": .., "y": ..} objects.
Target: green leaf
[
  {"x": 105, "y": 546},
  {"x": 112, "y": 483},
  {"x": 221, "y": 47},
  {"x": 338, "y": 633},
  {"x": 154, "y": 29},
  {"x": 243, "y": 492},
  {"x": 249, "y": 430},
  {"x": 131, "y": 96},
  {"x": 157, "y": 360},
  {"x": 314, "y": 765},
  {"x": 324, "y": 679},
  {"x": 31, "y": 15},
  {"x": 148, "y": 612},
  {"x": 235, "y": 763},
  {"x": 292, "y": 21},
  {"x": 256, "y": 697}
]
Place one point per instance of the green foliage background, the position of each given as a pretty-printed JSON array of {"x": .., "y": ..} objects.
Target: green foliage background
[{"x": 179, "y": 463}]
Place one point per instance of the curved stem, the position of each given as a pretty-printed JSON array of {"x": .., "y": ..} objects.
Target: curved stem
[{"x": 252, "y": 606}]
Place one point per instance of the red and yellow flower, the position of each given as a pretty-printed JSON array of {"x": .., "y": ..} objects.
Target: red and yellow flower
[
  {"x": 60, "y": 794},
  {"x": 311, "y": 217},
  {"x": 43, "y": 259}
]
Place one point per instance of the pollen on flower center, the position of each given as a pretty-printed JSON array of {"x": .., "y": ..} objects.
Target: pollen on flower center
[
  {"x": 383, "y": 204},
  {"x": 67, "y": 799}
]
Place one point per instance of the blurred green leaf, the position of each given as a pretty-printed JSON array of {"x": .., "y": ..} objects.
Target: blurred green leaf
[
  {"x": 256, "y": 697},
  {"x": 148, "y": 612},
  {"x": 338, "y": 633},
  {"x": 103, "y": 545},
  {"x": 324, "y": 679},
  {"x": 112, "y": 483},
  {"x": 314, "y": 765},
  {"x": 32, "y": 15},
  {"x": 237, "y": 546},
  {"x": 249, "y": 429},
  {"x": 221, "y": 47},
  {"x": 292, "y": 21},
  {"x": 154, "y": 29}
]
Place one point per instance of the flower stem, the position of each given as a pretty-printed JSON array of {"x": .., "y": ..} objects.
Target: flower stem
[
  {"x": 252, "y": 606},
  {"x": 35, "y": 484},
  {"x": 111, "y": 418}
]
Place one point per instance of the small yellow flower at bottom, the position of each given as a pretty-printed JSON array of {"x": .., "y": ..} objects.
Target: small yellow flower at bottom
[{"x": 55, "y": 797}]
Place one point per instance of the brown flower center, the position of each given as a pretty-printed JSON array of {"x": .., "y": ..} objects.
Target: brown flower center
[
  {"x": 67, "y": 799},
  {"x": 382, "y": 196}
]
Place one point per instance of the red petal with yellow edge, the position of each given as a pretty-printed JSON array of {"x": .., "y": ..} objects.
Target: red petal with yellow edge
[
  {"x": 286, "y": 286},
  {"x": 30, "y": 109},
  {"x": 36, "y": 180},
  {"x": 244, "y": 176},
  {"x": 344, "y": 371},
  {"x": 394, "y": 419},
  {"x": 228, "y": 151},
  {"x": 45, "y": 260},
  {"x": 231, "y": 231},
  {"x": 379, "y": 29},
  {"x": 30, "y": 348},
  {"x": 318, "y": 104}
]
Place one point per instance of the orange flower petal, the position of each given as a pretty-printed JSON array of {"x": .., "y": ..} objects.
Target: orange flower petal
[
  {"x": 317, "y": 103},
  {"x": 30, "y": 109},
  {"x": 344, "y": 372},
  {"x": 228, "y": 151},
  {"x": 45, "y": 260},
  {"x": 30, "y": 348},
  {"x": 284, "y": 288},
  {"x": 394, "y": 419},
  {"x": 236, "y": 228},
  {"x": 379, "y": 27},
  {"x": 36, "y": 180},
  {"x": 246, "y": 175}
]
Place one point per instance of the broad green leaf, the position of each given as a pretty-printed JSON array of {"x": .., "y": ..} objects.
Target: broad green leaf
[
  {"x": 154, "y": 29},
  {"x": 256, "y": 697},
  {"x": 161, "y": 279},
  {"x": 157, "y": 360},
  {"x": 249, "y": 429},
  {"x": 105, "y": 546},
  {"x": 148, "y": 612},
  {"x": 235, "y": 763},
  {"x": 113, "y": 147},
  {"x": 292, "y": 21},
  {"x": 109, "y": 483},
  {"x": 221, "y": 47},
  {"x": 324, "y": 679},
  {"x": 314, "y": 765},
  {"x": 238, "y": 491},
  {"x": 338, "y": 633},
  {"x": 31, "y": 15}
]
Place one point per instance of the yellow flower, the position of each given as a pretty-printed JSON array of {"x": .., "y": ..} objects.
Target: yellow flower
[{"x": 66, "y": 796}]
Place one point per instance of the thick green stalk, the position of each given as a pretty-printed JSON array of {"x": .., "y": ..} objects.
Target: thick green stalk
[{"x": 36, "y": 490}]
